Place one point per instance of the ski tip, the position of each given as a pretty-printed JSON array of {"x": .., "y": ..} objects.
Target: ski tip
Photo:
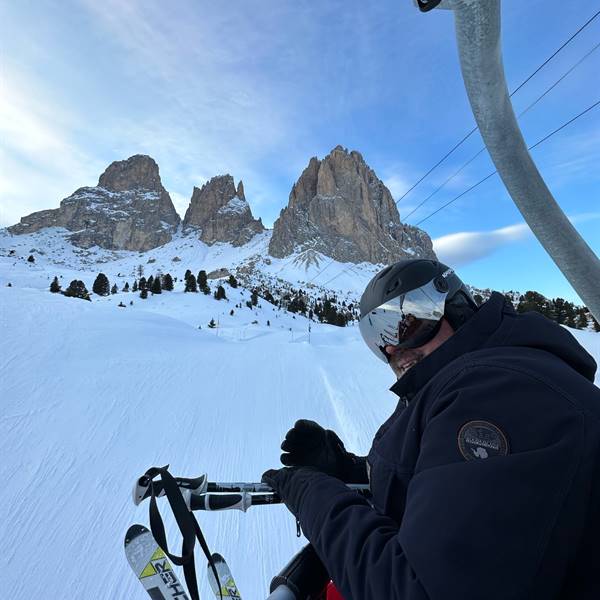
[
  {"x": 133, "y": 532},
  {"x": 217, "y": 558}
]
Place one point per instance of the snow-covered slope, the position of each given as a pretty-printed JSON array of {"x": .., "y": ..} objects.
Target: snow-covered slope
[
  {"x": 94, "y": 394},
  {"x": 54, "y": 255}
]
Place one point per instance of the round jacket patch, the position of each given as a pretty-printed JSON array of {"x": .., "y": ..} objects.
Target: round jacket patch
[{"x": 481, "y": 439}]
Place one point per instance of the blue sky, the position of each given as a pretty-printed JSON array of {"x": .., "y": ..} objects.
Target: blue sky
[{"x": 255, "y": 89}]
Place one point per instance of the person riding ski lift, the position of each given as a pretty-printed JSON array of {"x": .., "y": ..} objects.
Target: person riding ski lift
[{"x": 485, "y": 480}]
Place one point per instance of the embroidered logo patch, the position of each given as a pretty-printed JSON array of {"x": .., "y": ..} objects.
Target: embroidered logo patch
[{"x": 481, "y": 439}]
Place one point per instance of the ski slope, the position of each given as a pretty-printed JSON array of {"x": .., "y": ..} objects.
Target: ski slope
[{"x": 94, "y": 394}]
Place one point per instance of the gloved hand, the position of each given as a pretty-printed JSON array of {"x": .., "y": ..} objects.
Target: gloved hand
[
  {"x": 308, "y": 444},
  {"x": 289, "y": 483}
]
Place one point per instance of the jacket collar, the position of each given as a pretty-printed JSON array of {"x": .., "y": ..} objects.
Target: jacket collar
[{"x": 471, "y": 336}]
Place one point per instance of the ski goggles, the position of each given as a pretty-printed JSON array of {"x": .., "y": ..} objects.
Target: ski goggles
[{"x": 407, "y": 321}]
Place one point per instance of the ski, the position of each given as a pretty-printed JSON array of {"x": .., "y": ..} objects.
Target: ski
[
  {"x": 226, "y": 587},
  {"x": 151, "y": 566}
]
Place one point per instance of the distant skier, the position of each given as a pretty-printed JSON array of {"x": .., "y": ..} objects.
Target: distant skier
[{"x": 485, "y": 479}]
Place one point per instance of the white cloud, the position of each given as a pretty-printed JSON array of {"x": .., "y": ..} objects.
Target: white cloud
[
  {"x": 462, "y": 248},
  {"x": 458, "y": 249}
]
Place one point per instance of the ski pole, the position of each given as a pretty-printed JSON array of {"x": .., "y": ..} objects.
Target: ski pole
[
  {"x": 244, "y": 500},
  {"x": 196, "y": 485},
  {"x": 201, "y": 494}
]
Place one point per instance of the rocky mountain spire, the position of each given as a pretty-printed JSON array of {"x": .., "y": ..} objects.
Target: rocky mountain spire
[
  {"x": 221, "y": 213},
  {"x": 339, "y": 207},
  {"x": 137, "y": 172},
  {"x": 129, "y": 209}
]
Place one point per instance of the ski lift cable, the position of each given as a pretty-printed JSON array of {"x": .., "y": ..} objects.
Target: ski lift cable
[
  {"x": 488, "y": 176},
  {"x": 547, "y": 137},
  {"x": 556, "y": 52},
  {"x": 468, "y": 135},
  {"x": 464, "y": 139},
  {"x": 339, "y": 274},
  {"x": 526, "y": 110},
  {"x": 345, "y": 270}
]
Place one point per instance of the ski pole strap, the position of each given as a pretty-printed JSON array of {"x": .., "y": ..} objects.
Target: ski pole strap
[{"x": 188, "y": 526}]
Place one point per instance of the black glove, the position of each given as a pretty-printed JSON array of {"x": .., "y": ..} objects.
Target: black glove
[
  {"x": 289, "y": 483},
  {"x": 307, "y": 444}
]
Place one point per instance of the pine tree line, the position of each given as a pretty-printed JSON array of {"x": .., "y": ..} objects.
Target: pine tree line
[
  {"x": 558, "y": 309},
  {"x": 325, "y": 309}
]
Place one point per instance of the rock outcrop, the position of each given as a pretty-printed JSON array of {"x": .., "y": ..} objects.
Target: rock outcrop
[
  {"x": 129, "y": 209},
  {"x": 339, "y": 207},
  {"x": 221, "y": 213}
]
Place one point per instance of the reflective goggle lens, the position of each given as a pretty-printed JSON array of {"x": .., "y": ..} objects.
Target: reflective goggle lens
[{"x": 407, "y": 321}]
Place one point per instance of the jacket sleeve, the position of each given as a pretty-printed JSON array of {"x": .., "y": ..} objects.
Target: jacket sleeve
[{"x": 471, "y": 528}]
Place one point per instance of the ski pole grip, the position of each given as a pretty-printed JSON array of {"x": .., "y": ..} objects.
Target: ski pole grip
[
  {"x": 217, "y": 501},
  {"x": 304, "y": 575}
]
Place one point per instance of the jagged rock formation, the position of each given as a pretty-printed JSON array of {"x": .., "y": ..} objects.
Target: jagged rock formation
[
  {"x": 221, "y": 213},
  {"x": 129, "y": 209},
  {"x": 339, "y": 207}
]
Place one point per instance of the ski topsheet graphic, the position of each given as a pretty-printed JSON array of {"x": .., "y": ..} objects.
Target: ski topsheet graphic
[
  {"x": 151, "y": 566},
  {"x": 226, "y": 582}
]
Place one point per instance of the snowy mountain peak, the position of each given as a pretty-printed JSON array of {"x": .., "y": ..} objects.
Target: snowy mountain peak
[
  {"x": 220, "y": 213},
  {"x": 129, "y": 209},
  {"x": 137, "y": 172},
  {"x": 339, "y": 207}
]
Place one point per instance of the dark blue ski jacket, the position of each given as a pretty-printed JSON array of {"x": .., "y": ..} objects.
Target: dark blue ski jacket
[{"x": 485, "y": 479}]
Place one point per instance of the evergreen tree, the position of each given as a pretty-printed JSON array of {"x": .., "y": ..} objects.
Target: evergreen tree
[
  {"x": 268, "y": 323},
  {"x": 140, "y": 270},
  {"x": 77, "y": 289},
  {"x": 531, "y": 301},
  {"x": 143, "y": 284},
  {"x": 202, "y": 279},
  {"x": 254, "y": 298},
  {"x": 31, "y": 259},
  {"x": 150, "y": 282},
  {"x": 101, "y": 285},
  {"x": 156, "y": 286},
  {"x": 114, "y": 289},
  {"x": 220, "y": 293},
  {"x": 582, "y": 320},
  {"x": 560, "y": 311},
  {"x": 55, "y": 286},
  {"x": 187, "y": 274},
  {"x": 190, "y": 284},
  {"x": 571, "y": 315},
  {"x": 144, "y": 293},
  {"x": 135, "y": 286},
  {"x": 167, "y": 283},
  {"x": 231, "y": 313},
  {"x": 126, "y": 286},
  {"x": 297, "y": 304},
  {"x": 232, "y": 281},
  {"x": 212, "y": 323}
]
